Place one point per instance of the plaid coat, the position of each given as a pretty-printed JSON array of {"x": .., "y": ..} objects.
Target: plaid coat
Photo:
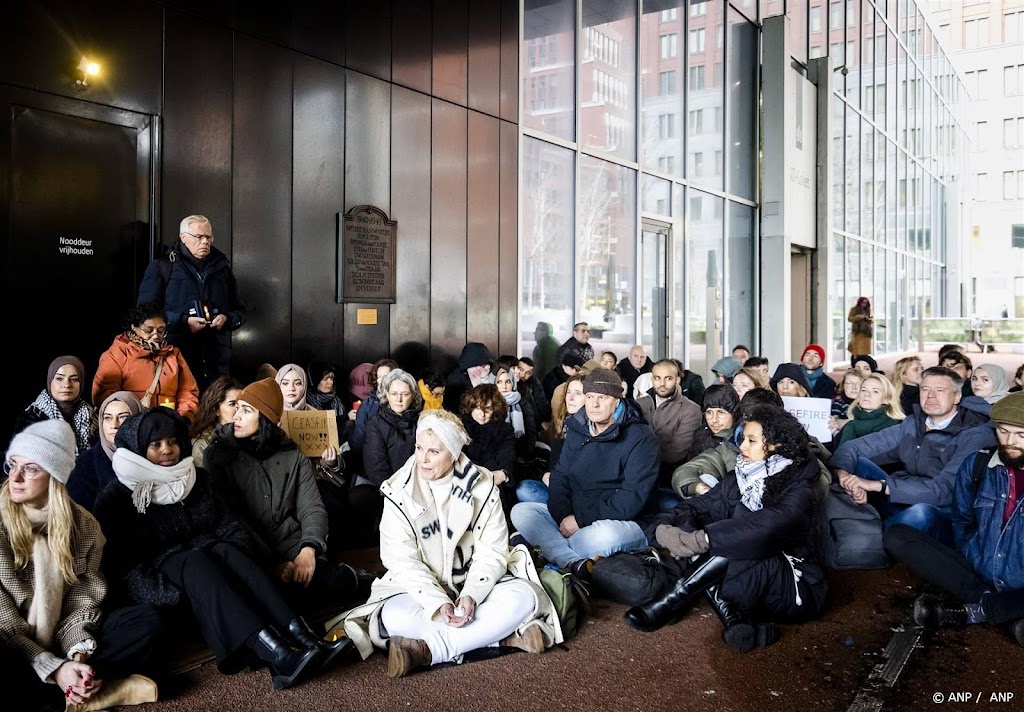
[{"x": 81, "y": 608}]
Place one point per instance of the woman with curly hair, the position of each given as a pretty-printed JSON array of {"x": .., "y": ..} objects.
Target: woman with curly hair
[
  {"x": 751, "y": 538},
  {"x": 217, "y": 407}
]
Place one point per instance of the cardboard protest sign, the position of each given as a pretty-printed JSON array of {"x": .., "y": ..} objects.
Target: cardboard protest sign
[
  {"x": 311, "y": 430},
  {"x": 813, "y": 414}
]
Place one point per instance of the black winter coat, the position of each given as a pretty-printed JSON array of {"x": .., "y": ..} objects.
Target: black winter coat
[
  {"x": 390, "y": 442},
  {"x": 493, "y": 445},
  {"x": 540, "y": 400},
  {"x": 692, "y": 386},
  {"x": 629, "y": 374},
  {"x": 93, "y": 472},
  {"x": 138, "y": 544},
  {"x": 786, "y": 523}
]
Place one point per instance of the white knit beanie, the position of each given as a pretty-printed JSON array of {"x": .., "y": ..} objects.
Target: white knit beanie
[{"x": 49, "y": 444}]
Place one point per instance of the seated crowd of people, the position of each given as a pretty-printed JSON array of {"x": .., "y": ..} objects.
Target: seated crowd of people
[{"x": 165, "y": 508}]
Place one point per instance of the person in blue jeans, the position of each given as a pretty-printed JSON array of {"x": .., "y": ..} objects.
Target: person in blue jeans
[
  {"x": 603, "y": 480},
  {"x": 924, "y": 452},
  {"x": 984, "y": 571}
]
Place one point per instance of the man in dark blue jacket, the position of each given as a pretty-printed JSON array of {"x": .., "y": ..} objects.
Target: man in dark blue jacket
[
  {"x": 985, "y": 572},
  {"x": 195, "y": 284},
  {"x": 602, "y": 482},
  {"x": 925, "y": 451}
]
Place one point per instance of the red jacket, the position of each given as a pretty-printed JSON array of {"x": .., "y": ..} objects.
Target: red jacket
[{"x": 128, "y": 367}]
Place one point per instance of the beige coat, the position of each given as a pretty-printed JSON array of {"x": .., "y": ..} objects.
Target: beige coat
[{"x": 412, "y": 550}]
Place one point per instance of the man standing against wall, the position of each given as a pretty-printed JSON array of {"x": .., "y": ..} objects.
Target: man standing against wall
[
  {"x": 195, "y": 284},
  {"x": 578, "y": 343}
]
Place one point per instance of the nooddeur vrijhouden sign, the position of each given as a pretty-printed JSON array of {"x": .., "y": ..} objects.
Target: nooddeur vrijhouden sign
[{"x": 366, "y": 256}]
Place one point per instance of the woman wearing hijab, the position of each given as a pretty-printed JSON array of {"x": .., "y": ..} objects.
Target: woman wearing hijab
[
  {"x": 292, "y": 380},
  {"x": 171, "y": 539},
  {"x": 93, "y": 468},
  {"x": 141, "y": 361},
  {"x": 990, "y": 383},
  {"x": 862, "y": 321},
  {"x": 753, "y": 537},
  {"x": 391, "y": 434},
  {"x": 521, "y": 414},
  {"x": 322, "y": 393},
  {"x": 62, "y": 400},
  {"x": 452, "y": 584},
  {"x": 57, "y": 640},
  {"x": 272, "y": 486}
]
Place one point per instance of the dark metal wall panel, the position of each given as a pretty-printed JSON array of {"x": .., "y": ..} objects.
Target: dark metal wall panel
[
  {"x": 484, "y": 56},
  {"x": 268, "y": 21},
  {"x": 411, "y": 51},
  {"x": 318, "y": 194},
  {"x": 368, "y": 37},
  {"x": 42, "y": 44},
  {"x": 450, "y": 50},
  {"x": 319, "y": 28},
  {"x": 261, "y": 201},
  {"x": 447, "y": 233},
  {"x": 219, "y": 11},
  {"x": 508, "y": 240},
  {"x": 509, "y": 89},
  {"x": 197, "y": 127},
  {"x": 482, "y": 231},
  {"x": 367, "y": 182},
  {"x": 410, "y": 207}
]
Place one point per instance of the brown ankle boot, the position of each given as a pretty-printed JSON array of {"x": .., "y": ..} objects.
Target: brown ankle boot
[
  {"x": 132, "y": 690},
  {"x": 531, "y": 640},
  {"x": 407, "y": 654}
]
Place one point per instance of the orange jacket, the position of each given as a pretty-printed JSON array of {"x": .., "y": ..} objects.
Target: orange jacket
[{"x": 128, "y": 367}]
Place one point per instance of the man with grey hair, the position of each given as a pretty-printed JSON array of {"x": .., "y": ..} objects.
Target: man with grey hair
[{"x": 195, "y": 284}]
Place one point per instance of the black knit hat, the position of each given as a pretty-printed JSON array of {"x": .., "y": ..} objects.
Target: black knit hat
[{"x": 138, "y": 431}]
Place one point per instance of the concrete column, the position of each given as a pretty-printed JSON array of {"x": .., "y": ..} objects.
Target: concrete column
[{"x": 823, "y": 270}]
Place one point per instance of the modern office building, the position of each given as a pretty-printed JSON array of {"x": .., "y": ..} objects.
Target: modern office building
[
  {"x": 740, "y": 172},
  {"x": 986, "y": 44}
]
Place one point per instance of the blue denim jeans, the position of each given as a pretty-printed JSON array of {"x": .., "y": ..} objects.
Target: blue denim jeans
[
  {"x": 601, "y": 538},
  {"x": 937, "y": 522},
  {"x": 532, "y": 491}
]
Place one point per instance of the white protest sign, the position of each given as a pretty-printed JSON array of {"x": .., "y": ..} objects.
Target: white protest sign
[{"x": 813, "y": 414}]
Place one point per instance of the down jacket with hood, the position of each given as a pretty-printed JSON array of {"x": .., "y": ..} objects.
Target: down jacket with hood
[
  {"x": 607, "y": 476},
  {"x": 473, "y": 354},
  {"x": 928, "y": 459},
  {"x": 126, "y": 366},
  {"x": 390, "y": 442}
]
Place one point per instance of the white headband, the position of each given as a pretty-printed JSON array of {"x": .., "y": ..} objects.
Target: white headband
[{"x": 453, "y": 437}]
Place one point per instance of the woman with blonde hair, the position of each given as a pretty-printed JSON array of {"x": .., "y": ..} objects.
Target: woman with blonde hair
[
  {"x": 906, "y": 379},
  {"x": 748, "y": 379},
  {"x": 877, "y": 407},
  {"x": 57, "y": 641}
]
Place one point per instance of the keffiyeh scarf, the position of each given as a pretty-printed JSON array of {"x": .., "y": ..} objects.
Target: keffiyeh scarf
[
  {"x": 83, "y": 422},
  {"x": 751, "y": 477}
]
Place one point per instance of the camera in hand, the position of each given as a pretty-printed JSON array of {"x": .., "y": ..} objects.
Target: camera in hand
[{"x": 203, "y": 309}]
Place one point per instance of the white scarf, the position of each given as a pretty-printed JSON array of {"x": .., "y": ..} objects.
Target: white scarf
[
  {"x": 515, "y": 412},
  {"x": 751, "y": 476},
  {"x": 48, "y": 584},
  {"x": 151, "y": 483}
]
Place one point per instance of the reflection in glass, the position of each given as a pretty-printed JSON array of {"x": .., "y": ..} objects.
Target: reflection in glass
[
  {"x": 662, "y": 71},
  {"x": 606, "y": 251},
  {"x": 608, "y": 78},
  {"x": 547, "y": 239},
  {"x": 742, "y": 105},
  {"x": 741, "y": 275},
  {"x": 705, "y": 93},
  {"x": 704, "y": 270},
  {"x": 547, "y": 58}
]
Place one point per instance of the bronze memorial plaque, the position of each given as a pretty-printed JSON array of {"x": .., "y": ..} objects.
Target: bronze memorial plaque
[{"x": 366, "y": 256}]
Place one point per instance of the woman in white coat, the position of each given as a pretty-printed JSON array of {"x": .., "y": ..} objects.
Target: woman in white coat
[{"x": 452, "y": 584}]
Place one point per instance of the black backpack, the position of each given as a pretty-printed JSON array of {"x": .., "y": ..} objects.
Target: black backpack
[{"x": 635, "y": 577}]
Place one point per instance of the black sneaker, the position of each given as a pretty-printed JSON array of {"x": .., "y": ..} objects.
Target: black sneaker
[
  {"x": 931, "y": 612},
  {"x": 583, "y": 569}
]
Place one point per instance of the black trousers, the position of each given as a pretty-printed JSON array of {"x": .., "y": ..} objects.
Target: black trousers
[
  {"x": 232, "y": 598},
  {"x": 128, "y": 641},
  {"x": 332, "y": 589},
  {"x": 767, "y": 590},
  {"x": 353, "y": 515},
  {"x": 948, "y": 569}
]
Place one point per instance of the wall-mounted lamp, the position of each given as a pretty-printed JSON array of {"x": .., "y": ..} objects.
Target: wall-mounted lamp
[
  {"x": 842, "y": 68},
  {"x": 86, "y": 68}
]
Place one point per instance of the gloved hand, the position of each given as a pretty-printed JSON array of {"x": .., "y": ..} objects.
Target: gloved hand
[{"x": 681, "y": 543}]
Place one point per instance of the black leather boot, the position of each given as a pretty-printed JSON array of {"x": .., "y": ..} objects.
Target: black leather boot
[
  {"x": 287, "y": 663},
  {"x": 738, "y": 632},
  {"x": 305, "y": 636},
  {"x": 671, "y": 607}
]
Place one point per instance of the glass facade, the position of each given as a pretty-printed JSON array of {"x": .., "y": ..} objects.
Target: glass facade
[
  {"x": 640, "y": 168},
  {"x": 639, "y": 173}
]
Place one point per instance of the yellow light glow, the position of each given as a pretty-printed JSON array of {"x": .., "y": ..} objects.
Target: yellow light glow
[{"x": 92, "y": 69}]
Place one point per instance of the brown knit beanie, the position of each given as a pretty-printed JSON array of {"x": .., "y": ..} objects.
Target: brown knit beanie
[
  {"x": 603, "y": 380},
  {"x": 265, "y": 396},
  {"x": 1009, "y": 410}
]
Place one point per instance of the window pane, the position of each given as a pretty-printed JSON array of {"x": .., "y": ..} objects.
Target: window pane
[
  {"x": 852, "y": 171},
  {"x": 837, "y": 299},
  {"x": 741, "y": 276},
  {"x": 742, "y": 105},
  {"x": 705, "y": 95},
  {"x": 704, "y": 268},
  {"x": 657, "y": 196},
  {"x": 661, "y": 104},
  {"x": 548, "y": 57},
  {"x": 547, "y": 235},
  {"x": 606, "y": 250},
  {"x": 608, "y": 78}
]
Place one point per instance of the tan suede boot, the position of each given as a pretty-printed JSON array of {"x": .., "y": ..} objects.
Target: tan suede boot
[
  {"x": 405, "y": 655},
  {"x": 132, "y": 690},
  {"x": 531, "y": 640}
]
